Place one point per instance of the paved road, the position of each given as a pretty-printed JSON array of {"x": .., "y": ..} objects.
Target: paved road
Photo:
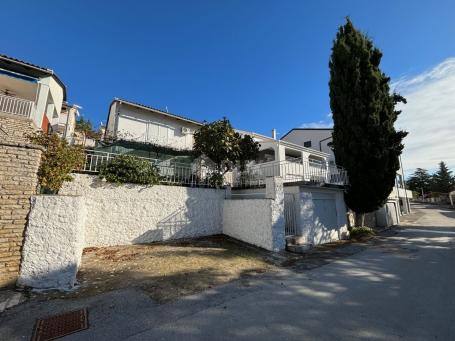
[{"x": 401, "y": 288}]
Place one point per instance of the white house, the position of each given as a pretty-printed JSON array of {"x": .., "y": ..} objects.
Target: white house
[
  {"x": 30, "y": 92},
  {"x": 314, "y": 138},
  {"x": 319, "y": 139},
  {"x": 138, "y": 122}
]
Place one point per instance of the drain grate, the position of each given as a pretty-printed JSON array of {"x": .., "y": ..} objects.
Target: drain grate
[{"x": 54, "y": 327}]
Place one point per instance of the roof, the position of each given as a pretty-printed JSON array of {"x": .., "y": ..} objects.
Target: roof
[
  {"x": 290, "y": 131},
  {"x": 29, "y": 69},
  {"x": 146, "y": 107}
]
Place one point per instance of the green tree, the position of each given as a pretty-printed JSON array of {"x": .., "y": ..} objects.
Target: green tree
[
  {"x": 365, "y": 141},
  {"x": 443, "y": 181},
  {"x": 420, "y": 181},
  {"x": 57, "y": 162},
  {"x": 224, "y": 147},
  {"x": 85, "y": 126}
]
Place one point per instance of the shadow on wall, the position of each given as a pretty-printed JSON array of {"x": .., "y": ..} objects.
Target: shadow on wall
[
  {"x": 320, "y": 234},
  {"x": 187, "y": 221}
]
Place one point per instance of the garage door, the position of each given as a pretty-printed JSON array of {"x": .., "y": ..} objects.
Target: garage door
[{"x": 324, "y": 217}]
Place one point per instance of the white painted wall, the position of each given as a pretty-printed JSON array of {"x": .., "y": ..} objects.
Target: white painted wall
[
  {"x": 53, "y": 244},
  {"x": 129, "y": 214},
  {"x": 258, "y": 221},
  {"x": 299, "y": 136},
  {"x": 249, "y": 220}
]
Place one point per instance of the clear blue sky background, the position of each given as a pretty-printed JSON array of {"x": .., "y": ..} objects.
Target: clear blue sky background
[{"x": 263, "y": 64}]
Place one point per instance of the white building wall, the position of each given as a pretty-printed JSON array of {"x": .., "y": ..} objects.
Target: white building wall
[
  {"x": 130, "y": 214},
  {"x": 146, "y": 126},
  {"x": 300, "y": 136}
]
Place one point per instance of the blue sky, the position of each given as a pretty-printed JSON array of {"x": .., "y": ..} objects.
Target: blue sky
[{"x": 263, "y": 64}]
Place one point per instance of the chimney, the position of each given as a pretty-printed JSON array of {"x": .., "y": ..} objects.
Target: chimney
[{"x": 274, "y": 133}]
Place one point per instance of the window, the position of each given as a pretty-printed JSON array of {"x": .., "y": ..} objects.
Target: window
[{"x": 307, "y": 144}]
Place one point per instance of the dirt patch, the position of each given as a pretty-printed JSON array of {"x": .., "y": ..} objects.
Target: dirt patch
[{"x": 167, "y": 271}]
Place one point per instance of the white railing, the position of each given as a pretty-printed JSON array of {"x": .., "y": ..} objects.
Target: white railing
[
  {"x": 16, "y": 106},
  {"x": 170, "y": 172},
  {"x": 291, "y": 171}
]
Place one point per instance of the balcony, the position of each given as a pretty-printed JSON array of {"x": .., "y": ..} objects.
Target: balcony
[
  {"x": 17, "y": 106},
  {"x": 297, "y": 170}
]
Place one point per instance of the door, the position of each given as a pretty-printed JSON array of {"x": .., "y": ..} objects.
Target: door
[
  {"x": 325, "y": 219},
  {"x": 290, "y": 215}
]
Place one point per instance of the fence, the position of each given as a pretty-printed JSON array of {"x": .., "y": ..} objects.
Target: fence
[
  {"x": 172, "y": 173},
  {"x": 291, "y": 171},
  {"x": 16, "y": 106}
]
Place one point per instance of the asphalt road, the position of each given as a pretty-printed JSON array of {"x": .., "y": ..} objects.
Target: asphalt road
[{"x": 400, "y": 288}]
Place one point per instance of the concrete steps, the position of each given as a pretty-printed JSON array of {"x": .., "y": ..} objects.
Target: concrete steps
[{"x": 297, "y": 244}]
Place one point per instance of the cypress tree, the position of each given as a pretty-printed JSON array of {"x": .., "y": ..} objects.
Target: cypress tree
[
  {"x": 365, "y": 141},
  {"x": 443, "y": 181}
]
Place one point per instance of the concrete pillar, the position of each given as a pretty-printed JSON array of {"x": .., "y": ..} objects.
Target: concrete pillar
[
  {"x": 228, "y": 192},
  {"x": 41, "y": 104},
  {"x": 274, "y": 190}
]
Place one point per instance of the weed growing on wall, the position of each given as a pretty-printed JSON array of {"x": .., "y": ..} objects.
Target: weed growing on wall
[{"x": 57, "y": 162}]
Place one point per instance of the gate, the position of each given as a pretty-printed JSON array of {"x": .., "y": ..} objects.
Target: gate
[{"x": 290, "y": 227}]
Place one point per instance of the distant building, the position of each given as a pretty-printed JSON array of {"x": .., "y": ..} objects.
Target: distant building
[
  {"x": 320, "y": 139},
  {"x": 30, "y": 92}
]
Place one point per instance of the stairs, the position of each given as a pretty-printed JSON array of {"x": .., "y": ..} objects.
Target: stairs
[{"x": 297, "y": 244}]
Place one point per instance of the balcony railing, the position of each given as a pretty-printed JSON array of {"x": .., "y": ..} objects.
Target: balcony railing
[
  {"x": 291, "y": 171},
  {"x": 172, "y": 173},
  {"x": 16, "y": 106}
]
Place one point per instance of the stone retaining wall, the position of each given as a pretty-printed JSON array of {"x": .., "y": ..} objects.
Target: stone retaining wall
[
  {"x": 19, "y": 164},
  {"x": 131, "y": 214}
]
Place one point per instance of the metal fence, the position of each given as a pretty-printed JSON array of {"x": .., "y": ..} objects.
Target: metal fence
[
  {"x": 291, "y": 171},
  {"x": 170, "y": 172},
  {"x": 16, "y": 106},
  {"x": 198, "y": 175}
]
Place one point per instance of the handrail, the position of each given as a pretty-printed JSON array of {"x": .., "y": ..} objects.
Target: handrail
[{"x": 16, "y": 106}]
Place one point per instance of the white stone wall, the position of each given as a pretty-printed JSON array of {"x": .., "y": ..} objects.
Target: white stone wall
[
  {"x": 54, "y": 240},
  {"x": 258, "y": 221},
  {"x": 249, "y": 220},
  {"x": 130, "y": 214}
]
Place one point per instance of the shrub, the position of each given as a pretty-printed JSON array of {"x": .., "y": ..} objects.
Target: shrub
[
  {"x": 360, "y": 231},
  {"x": 57, "y": 162},
  {"x": 130, "y": 169}
]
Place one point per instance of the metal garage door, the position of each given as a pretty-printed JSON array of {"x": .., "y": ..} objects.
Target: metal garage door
[
  {"x": 324, "y": 218},
  {"x": 324, "y": 211}
]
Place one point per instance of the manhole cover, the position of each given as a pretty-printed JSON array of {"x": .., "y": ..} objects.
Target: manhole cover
[{"x": 54, "y": 327}]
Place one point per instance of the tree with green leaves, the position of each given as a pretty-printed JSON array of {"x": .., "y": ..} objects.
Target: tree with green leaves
[
  {"x": 365, "y": 141},
  {"x": 85, "y": 127},
  {"x": 224, "y": 147},
  {"x": 443, "y": 181},
  {"x": 420, "y": 181}
]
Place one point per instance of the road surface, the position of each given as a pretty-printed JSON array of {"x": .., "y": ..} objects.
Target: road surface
[{"x": 401, "y": 288}]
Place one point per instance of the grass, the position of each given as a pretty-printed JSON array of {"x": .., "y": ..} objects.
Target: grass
[
  {"x": 167, "y": 271},
  {"x": 358, "y": 232}
]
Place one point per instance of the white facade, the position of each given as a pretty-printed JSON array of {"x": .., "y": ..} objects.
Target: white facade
[
  {"x": 131, "y": 121},
  {"x": 30, "y": 91},
  {"x": 314, "y": 138},
  {"x": 65, "y": 124}
]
